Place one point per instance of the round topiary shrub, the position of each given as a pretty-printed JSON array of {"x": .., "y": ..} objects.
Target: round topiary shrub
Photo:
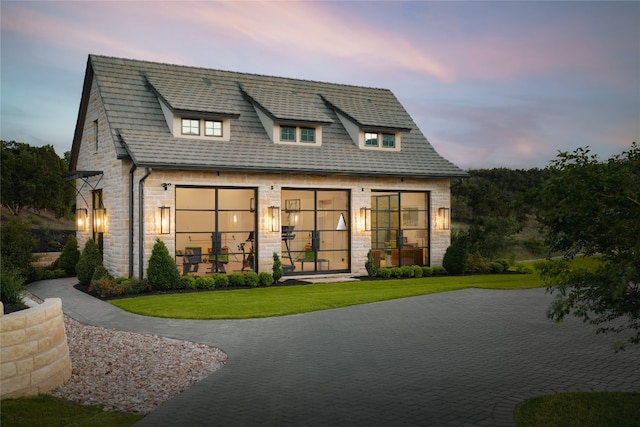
[
  {"x": 265, "y": 279},
  {"x": 427, "y": 271},
  {"x": 188, "y": 282},
  {"x": 162, "y": 272},
  {"x": 396, "y": 272},
  {"x": 407, "y": 271},
  {"x": 496, "y": 267},
  {"x": 455, "y": 258},
  {"x": 205, "y": 282},
  {"x": 236, "y": 279},
  {"x": 221, "y": 279},
  {"x": 251, "y": 279},
  {"x": 277, "y": 268},
  {"x": 90, "y": 258},
  {"x": 439, "y": 271},
  {"x": 70, "y": 256},
  {"x": 385, "y": 273},
  {"x": 417, "y": 270}
]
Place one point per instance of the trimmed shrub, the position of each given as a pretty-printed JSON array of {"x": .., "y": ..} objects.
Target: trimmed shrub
[
  {"x": 106, "y": 287},
  {"x": 369, "y": 265},
  {"x": 188, "y": 282},
  {"x": 90, "y": 258},
  {"x": 236, "y": 279},
  {"x": 385, "y": 273},
  {"x": 100, "y": 273},
  {"x": 523, "y": 269},
  {"x": 70, "y": 256},
  {"x": 496, "y": 267},
  {"x": 477, "y": 264},
  {"x": 205, "y": 282},
  {"x": 417, "y": 270},
  {"x": 427, "y": 271},
  {"x": 455, "y": 258},
  {"x": 16, "y": 247},
  {"x": 162, "y": 272},
  {"x": 277, "y": 268},
  {"x": 11, "y": 286},
  {"x": 221, "y": 279},
  {"x": 439, "y": 271},
  {"x": 265, "y": 279},
  {"x": 396, "y": 272},
  {"x": 504, "y": 262},
  {"x": 407, "y": 271},
  {"x": 251, "y": 279}
]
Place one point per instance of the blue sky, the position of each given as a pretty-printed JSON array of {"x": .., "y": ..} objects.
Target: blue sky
[{"x": 491, "y": 84}]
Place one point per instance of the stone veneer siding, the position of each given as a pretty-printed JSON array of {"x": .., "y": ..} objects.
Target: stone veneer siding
[{"x": 34, "y": 351}]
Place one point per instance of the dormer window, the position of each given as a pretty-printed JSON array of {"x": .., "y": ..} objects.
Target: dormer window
[
  {"x": 388, "y": 140},
  {"x": 379, "y": 140},
  {"x": 287, "y": 133},
  {"x": 299, "y": 134},
  {"x": 190, "y": 127},
  {"x": 213, "y": 128},
  {"x": 371, "y": 139},
  {"x": 307, "y": 135}
]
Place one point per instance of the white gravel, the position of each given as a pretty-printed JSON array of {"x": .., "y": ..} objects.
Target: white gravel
[{"x": 131, "y": 372}]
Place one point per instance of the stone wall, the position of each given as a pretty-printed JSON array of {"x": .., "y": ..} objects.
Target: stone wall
[{"x": 34, "y": 352}]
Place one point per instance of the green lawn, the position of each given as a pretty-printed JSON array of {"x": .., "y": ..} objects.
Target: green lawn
[
  {"x": 582, "y": 409},
  {"x": 286, "y": 300},
  {"x": 49, "y": 411}
]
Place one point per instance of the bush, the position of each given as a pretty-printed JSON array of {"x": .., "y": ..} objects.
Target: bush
[
  {"x": 46, "y": 274},
  {"x": 106, "y": 287},
  {"x": 188, "y": 282},
  {"x": 277, "y": 268},
  {"x": 100, "y": 273},
  {"x": 162, "y": 271},
  {"x": 221, "y": 280},
  {"x": 369, "y": 265},
  {"x": 236, "y": 279},
  {"x": 496, "y": 267},
  {"x": 16, "y": 247},
  {"x": 89, "y": 260},
  {"x": 439, "y": 271},
  {"x": 407, "y": 271},
  {"x": 427, "y": 271},
  {"x": 477, "y": 264},
  {"x": 455, "y": 258},
  {"x": 504, "y": 262},
  {"x": 396, "y": 272},
  {"x": 385, "y": 273},
  {"x": 265, "y": 279},
  {"x": 417, "y": 270},
  {"x": 251, "y": 279},
  {"x": 205, "y": 282},
  {"x": 523, "y": 269},
  {"x": 11, "y": 286},
  {"x": 70, "y": 256}
]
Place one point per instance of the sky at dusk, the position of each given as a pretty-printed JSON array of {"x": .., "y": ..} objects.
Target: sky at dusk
[{"x": 490, "y": 84}]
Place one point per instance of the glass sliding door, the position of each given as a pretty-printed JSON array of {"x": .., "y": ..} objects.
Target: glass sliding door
[
  {"x": 215, "y": 230},
  {"x": 315, "y": 231},
  {"x": 400, "y": 228}
]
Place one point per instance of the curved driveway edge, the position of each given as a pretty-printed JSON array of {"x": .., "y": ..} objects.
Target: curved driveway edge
[{"x": 458, "y": 358}]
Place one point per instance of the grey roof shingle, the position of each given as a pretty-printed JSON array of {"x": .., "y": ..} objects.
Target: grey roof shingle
[{"x": 130, "y": 88}]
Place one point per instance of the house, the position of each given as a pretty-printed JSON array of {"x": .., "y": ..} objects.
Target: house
[{"x": 229, "y": 168}]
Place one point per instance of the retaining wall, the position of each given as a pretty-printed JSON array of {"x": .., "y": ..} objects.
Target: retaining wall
[{"x": 34, "y": 354}]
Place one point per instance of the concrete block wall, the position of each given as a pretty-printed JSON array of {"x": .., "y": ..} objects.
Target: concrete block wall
[{"x": 34, "y": 353}]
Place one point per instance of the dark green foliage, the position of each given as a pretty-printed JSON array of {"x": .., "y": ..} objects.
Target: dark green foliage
[
  {"x": 205, "y": 282},
  {"x": 265, "y": 279},
  {"x": 417, "y": 270},
  {"x": 385, "y": 273},
  {"x": 162, "y": 272},
  {"x": 496, "y": 267},
  {"x": 439, "y": 271},
  {"x": 16, "y": 247},
  {"x": 369, "y": 264},
  {"x": 100, "y": 273},
  {"x": 456, "y": 256},
  {"x": 107, "y": 287},
  {"x": 396, "y": 272},
  {"x": 427, "y": 271},
  {"x": 504, "y": 262},
  {"x": 236, "y": 279},
  {"x": 593, "y": 207},
  {"x": 70, "y": 256},
  {"x": 407, "y": 271},
  {"x": 48, "y": 274},
  {"x": 12, "y": 285},
  {"x": 90, "y": 258},
  {"x": 187, "y": 282},
  {"x": 277, "y": 268},
  {"x": 476, "y": 263},
  {"x": 251, "y": 279},
  {"x": 221, "y": 279}
]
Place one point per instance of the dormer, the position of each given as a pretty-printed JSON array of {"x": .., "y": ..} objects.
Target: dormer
[
  {"x": 289, "y": 117},
  {"x": 372, "y": 123},
  {"x": 194, "y": 107}
]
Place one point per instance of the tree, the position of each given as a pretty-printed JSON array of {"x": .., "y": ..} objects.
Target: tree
[
  {"x": 90, "y": 258},
  {"x": 70, "y": 256},
  {"x": 162, "y": 271},
  {"x": 593, "y": 207}
]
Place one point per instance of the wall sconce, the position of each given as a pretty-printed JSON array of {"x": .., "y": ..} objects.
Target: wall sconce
[
  {"x": 81, "y": 219},
  {"x": 274, "y": 213},
  {"x": 99, "y": 220},
  {"x": 365, "y": 216},
  {"x": 165, "y": 219},
  {"x": 443, "y": 218},
  {"x": 341, "y": 224}
]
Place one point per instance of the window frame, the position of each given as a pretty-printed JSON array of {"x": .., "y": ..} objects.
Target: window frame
[
  {"x": 385, "y": 144},
  {"x": 214, "y": 128},
  {"x": 189, "y": 126},
  {"x": 288, "y": 129},
  {"x": 368, "y": 136},
  {"x": 306, "y": 131}
]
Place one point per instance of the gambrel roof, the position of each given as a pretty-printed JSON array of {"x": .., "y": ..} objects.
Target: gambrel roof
[{"x": 133, "y": 93}]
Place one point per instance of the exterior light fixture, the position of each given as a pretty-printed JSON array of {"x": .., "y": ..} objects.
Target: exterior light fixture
[
  {"x": 165, "y": 219},
  {"x": 99, "y": 220},
  {"x": 81, "y": 219},
  {"x": 443, "y": 218},
  {"x": 341, "y": 224},
  {"x": 274, "y": 218},
  {"x": 365, "y": 214}
]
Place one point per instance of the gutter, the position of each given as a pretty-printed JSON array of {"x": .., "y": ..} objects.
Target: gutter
[
  {"x": 141, "y": 225},
  {"x": 131, "y": 201}
]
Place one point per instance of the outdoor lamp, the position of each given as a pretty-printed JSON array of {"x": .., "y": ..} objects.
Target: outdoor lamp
[
  {"x": 365, "y": 214},
  {"x": 99, "y": 219},
  {"x": 274, "y": 213},
  {"x": 443, "y": 217},
  {"x": 81, "y": 219},
  {"x": 165, "y": 219}
]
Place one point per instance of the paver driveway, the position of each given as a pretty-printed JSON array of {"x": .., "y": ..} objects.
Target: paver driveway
[{"x": 457, "y": 358}]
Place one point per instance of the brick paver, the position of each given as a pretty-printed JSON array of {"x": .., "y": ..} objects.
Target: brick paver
[{"x": 458, "y": 358}]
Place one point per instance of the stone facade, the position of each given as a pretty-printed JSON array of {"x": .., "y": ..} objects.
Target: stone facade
[{"x": 34, "y": 351}]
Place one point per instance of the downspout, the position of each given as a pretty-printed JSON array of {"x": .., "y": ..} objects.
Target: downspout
[
  {"x": 131, "y": 201},
  {"x": 141, "y": 225}
]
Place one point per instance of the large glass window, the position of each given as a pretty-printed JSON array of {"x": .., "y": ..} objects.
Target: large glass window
[{"x": 215, "y": 230}]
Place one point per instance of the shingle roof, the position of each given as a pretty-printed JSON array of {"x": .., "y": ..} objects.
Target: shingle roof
[{"x": 130, "y": 89}]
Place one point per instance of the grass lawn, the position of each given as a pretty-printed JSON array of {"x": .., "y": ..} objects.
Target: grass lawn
[
  {"x": 49, "y": 411},
  {"x": 580, "y": 409},
  {"x": 286, "y": 300}
]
